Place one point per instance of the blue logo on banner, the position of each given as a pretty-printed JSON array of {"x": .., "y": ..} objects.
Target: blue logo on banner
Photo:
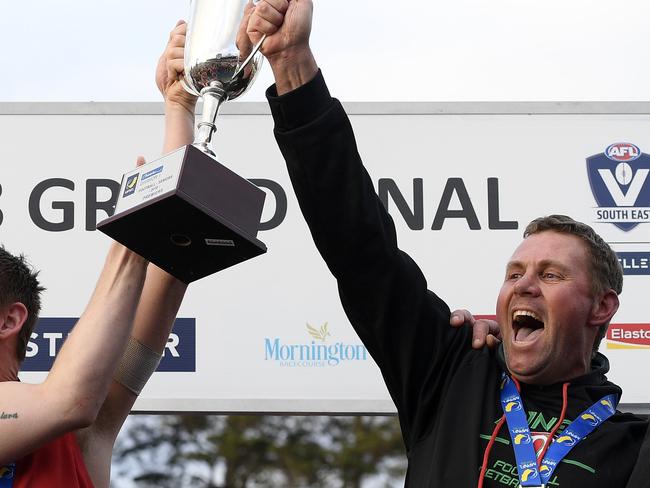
[
  {"x": 152, "y": 172},
  {"x": 50, "y": 332},
  {"x": 129, "y": 186},
  {"x": 634, "y": 263},
  {"x": 317, "y": 353},
  {"x": 621, "y": 186}
]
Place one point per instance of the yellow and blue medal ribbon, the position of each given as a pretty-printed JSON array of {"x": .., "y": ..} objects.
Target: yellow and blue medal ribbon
[
  {"x": 522, "y": 442},
  {"x": 7, "y": 475},
  {"x": 581, "y": 427}
]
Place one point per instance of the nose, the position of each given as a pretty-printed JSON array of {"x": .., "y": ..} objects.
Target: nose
[{"x": 528, "y": 284}]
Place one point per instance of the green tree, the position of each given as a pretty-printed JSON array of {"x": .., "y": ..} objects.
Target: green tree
[
  {"x": 259, "y": 451},
  {"x": 365, "y": 446}
]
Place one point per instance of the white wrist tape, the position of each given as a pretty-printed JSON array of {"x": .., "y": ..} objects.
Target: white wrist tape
[{"x": 137, "y": 365}]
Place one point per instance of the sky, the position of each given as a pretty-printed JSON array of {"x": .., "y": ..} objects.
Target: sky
[{"x": 421, "y": 50}]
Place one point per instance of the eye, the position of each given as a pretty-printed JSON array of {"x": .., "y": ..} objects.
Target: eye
[
  {"x": 549, "y": 275},
  {"x": 514, "y": 275}
]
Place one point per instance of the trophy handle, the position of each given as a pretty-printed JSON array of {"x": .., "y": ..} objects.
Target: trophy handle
[
  {"x": 187, "y": 87},
  {"x": 250, "y": 56},
  {"x": 253, "y": 52}
]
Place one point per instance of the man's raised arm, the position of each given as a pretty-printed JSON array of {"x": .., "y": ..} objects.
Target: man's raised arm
[
  {"x": 76, "y": 387},
  {"x": 404, "y": 326}
]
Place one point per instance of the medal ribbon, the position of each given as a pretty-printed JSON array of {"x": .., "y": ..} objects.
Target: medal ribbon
[
  {"x": 7, "y": 475},
  {"x": 522, "y": 442}
]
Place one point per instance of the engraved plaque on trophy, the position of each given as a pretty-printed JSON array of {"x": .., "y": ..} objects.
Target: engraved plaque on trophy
[{"x": 186, "y": 212}]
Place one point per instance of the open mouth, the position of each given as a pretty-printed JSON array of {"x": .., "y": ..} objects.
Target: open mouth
[{"x": 527, "y": 325}]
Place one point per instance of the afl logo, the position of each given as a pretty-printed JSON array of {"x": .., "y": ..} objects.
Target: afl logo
[{"x": 622, "y": 151}]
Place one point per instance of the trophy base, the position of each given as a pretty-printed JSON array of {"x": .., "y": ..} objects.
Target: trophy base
[{"x": 187, "y": 214}]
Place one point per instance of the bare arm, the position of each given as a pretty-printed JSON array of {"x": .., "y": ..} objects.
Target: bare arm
[
  {"x": 77, "y": 385},
  {"x": 162, "y": 294},
  {"x": 161, "y": 297}
]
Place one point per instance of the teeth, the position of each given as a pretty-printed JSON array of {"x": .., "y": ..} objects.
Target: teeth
[{"x": 525, "y": 313}]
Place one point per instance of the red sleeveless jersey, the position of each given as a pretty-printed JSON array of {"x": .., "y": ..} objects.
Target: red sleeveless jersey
[{"x": 58, "y": 463}]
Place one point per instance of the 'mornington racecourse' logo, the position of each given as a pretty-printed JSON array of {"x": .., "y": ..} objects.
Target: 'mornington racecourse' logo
[
  {"x": 317, "y": 353},
  {"x": 628, "y": 336},
  {"x": 621, "y": 186}
]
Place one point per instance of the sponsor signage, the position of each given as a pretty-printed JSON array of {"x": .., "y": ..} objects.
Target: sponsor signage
[
  {"x": 635, "y": 263},
  {"x": 620, "y": 184},
  {"x": 628, "y": 336},
  {"x": 50, "y": 333},
  {"x": 155, "y": 181},
  {"x": 152, "y": 172},
  {"x": 319, "y": 352},
  {"x": 458, "y": 214}
]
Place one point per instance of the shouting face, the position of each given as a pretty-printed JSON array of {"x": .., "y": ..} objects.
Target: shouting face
[{"x": 547, "y": 309}]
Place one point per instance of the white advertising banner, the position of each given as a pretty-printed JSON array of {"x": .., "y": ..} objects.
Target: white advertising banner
[{"x": 269, "y": 335}]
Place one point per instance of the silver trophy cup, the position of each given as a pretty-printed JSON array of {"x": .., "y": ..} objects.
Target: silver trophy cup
[
  {"x": 186, "y": 212},
  {"x": 218, "y": 65}
]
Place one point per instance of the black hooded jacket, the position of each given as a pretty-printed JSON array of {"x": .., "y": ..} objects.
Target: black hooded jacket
[{"x": 446, "y": 393}]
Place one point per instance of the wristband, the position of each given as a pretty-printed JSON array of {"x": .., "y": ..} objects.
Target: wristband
[{"x": 137, "y": 365}]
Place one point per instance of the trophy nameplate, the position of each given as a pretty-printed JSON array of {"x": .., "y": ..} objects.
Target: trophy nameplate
[{"x": 187, "y": 214}]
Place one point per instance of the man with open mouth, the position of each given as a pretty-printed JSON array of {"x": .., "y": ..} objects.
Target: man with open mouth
[{"x": 537, "y": 411}]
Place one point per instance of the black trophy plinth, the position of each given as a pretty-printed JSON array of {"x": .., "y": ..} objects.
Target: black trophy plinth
[{"x": 188, "y": 214}]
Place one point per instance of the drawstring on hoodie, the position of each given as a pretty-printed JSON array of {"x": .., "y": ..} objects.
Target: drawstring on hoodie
[
  {"x": 495, "y": 432},
  {"x": 565, "y": 390}
]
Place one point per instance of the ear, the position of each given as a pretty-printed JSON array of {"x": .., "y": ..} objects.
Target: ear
[
  {"x": 604, "y": 308},
  {"x": 12, "y": 319}
]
